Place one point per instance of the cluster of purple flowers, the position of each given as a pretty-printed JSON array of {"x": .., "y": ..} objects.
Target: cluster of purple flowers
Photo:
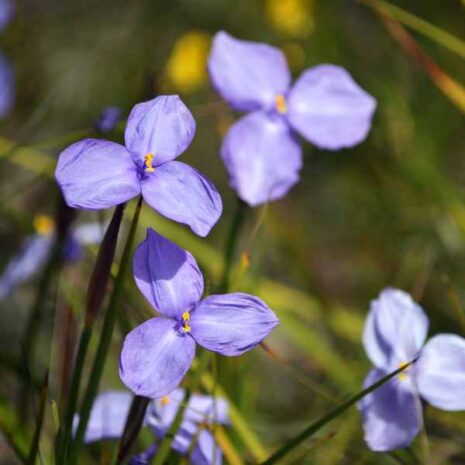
[
  {"x": 263, "y": 158},
  {"x": 7, "y": 81}
]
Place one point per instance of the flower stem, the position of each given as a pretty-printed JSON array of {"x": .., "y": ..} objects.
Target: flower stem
[
  {"x": 105, "y": 339},
  {"x": 95, "y": 295},
  {"x": 317, "y": 425}
]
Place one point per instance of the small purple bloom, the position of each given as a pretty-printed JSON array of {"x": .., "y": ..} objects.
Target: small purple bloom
[
  {"x": 95, "y": 174},
  {"x": 7, "y": 86},
  {"x": 7, "y": 10},
  {"x": 395, "y": 333},
  {"x": 157, "y": 354},
  {"x": 108, "y": 119},
  {"x": 261, "y": 153}
]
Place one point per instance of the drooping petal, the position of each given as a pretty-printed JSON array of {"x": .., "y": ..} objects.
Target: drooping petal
[
  {"x": 108, "y": 416},
  {"x": 29, "y": 261},
  {"x": 95, "y": 174},
  {"x": 167, "y": 275},
  {"x": 183, "y": 194},
  {"x": 441, "y": 372},
  {"x": 232, "y": 324},
  {"x": 262, "y": 157},
  {"x": 7, "y": 10},
  {"x": 395, "y": 329},
  {"x": 329, "y": 109},
  {"x": 163, "y": 127},
  {"x": 155, "y": 357},
  {"x": 249, "y": 75},
  {"x": 391, "y": 415},
  {"x": 7, "y": 86}
]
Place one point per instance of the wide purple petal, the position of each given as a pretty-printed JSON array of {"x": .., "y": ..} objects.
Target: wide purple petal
[
  {"x": 108, "y": 416},
  {"x": 183, "y": 194},
  {"x": 391, "y": 415},
  {"x": 249, "y": 75},
  {"x": 262, "y": 157},
  {"x": 162, "y": 412},
  {"x": 95, "y": 174},
  {"x": 395, "y": 329},
  {"x": 7, "y": 86},
  {"x": 329, "y": 109},
  {"x": 155, "y": 357},
  {"x": 167, "y": 275},
  {"x": 163, "y": 127},
  {"x": 232, "y": 324},
  {"x": 441, "y": 372}
]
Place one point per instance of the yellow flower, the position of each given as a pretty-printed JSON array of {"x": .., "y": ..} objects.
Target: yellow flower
[
  {"x": 293, "y": 18},
  {"x": 186, "y": 69},
  {"x": 44, "y": 224}
]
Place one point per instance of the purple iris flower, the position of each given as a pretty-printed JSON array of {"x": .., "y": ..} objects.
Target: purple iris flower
[
  {"x": 110, "y": 410},
  {"x": 108, "y": 119},
  {"x": 260, "y": 151},
  {"x": 35, "y": 250},
  {"x": 157, "y": 354},
  {"x": 7, "y": 10},
  {"x": 7, "y": 86},
  {"x": 95, "y": 174},
  {"x": 395, "y": 333}
]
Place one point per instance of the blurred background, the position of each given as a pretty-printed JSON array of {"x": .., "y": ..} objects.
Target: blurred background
[{"x": 389, "y": 212}]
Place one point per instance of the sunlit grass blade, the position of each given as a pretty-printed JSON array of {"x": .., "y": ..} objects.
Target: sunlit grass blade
[
  {"x": 230, "y": 452},
  {"x": 95, "y": 295},
  {"x": 333, "y": 414},
  {"x": 442, "y": 37},
  {"x": 105, "y": 339}
]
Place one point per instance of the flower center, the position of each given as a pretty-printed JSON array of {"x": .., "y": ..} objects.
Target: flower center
[
  {"x": 403, "y": 374},
  {"x": 148, "y": 159},
  {"x": 43, "y": 225},
  {"x": 280, "y": 104},
  {"x": 165, "y": 400},
  {"x": 186, "y": 316}
]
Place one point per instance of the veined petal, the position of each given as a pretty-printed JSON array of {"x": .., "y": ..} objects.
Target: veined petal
[
  {"x": 262, "y": 157},
  {"x": 155, "y": 357},
  {"x": 329, "y": 109},
  {"x": 95, "y": 174},
  {"x": 7, "y": 86},
  {"x": 231, "y": 324},
  {"x": 183, "y": 194},
  {"x": 167, "y": 275},
  {"x": 162, "y": 127},
  {"x": 395, "y": 329},
  {"x": 108, "y": 416},
  {"x": 441, "y": 372},
  {"x": 391, "y": 415},
  {"x": 249, "y": 75}
]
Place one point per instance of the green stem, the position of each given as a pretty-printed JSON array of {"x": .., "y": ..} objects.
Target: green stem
[
  {"x": 317, "y": 425},
  {"x": 95, "y": 295},
  {"x": 105, "y": 339},
  {"x": 165, "y": 445},
  {"x": 231, "y": 244}
]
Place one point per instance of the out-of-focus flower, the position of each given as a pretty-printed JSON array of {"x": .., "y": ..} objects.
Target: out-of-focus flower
[
  {"x": 108, "y": 119},
  {"x": 7, "y": 86},
  {"x": 7, "y": 10},
  {"x": 293, "y": 18},
  {"x": 186, "y": 69},
  {"x": 261, "y": 152},
  {"x": 157, "y": 354},
  {"x": 394, "y": 335},
  {"x": 36, "y": 248},
  {"x": 110, "y": 410},
  {"x": 94, "y": 174}
]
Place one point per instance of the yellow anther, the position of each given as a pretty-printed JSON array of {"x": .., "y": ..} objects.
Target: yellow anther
[
  {"x": 280, "y": 103},
  {"x": 186, "y": 316},
  {"x": 148, "y": 163},
  {"x": 403, "y": 374},
  {"x": 44, "y": 224},
  {"x": 165, "y": 400}
]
